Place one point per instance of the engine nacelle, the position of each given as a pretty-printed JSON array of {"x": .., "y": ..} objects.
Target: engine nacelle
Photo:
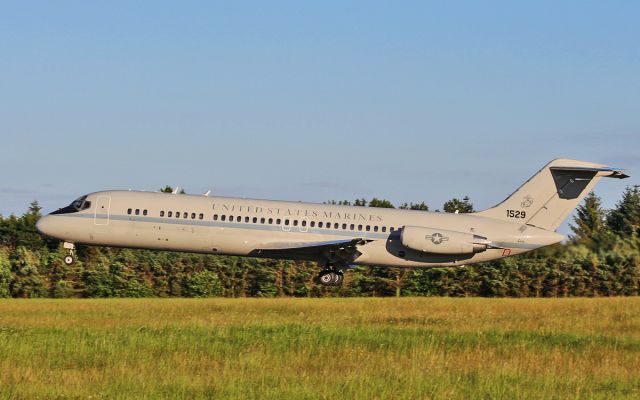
[{"x": 442, "y": 241}]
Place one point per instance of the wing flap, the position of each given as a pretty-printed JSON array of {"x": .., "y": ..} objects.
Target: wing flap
[{"x": 334, "y": 251}]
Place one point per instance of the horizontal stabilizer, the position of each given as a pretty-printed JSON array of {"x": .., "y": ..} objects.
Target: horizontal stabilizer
[{"x": 607, "y": 172}]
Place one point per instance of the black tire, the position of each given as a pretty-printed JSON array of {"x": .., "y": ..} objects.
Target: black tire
[
  {"x": 68, "y": 260},
  {"x": 325, "y": 278},
  {"x": 340, "y": 279}
]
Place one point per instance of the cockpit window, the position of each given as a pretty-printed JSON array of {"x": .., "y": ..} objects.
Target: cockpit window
[{"x": 78, "y": 204}]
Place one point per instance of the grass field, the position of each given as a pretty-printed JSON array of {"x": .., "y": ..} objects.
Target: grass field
[{"x": 321, "y": 348}]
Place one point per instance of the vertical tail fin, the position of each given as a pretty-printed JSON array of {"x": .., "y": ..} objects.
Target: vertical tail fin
[{"x": 546, "y": 199}]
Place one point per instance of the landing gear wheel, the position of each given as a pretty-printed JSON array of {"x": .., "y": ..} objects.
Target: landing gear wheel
[
  {"x": 68, "y": 260},
  {"x": 338, "y": 279},
  {"x": 330, "y": 277},
  {"x": 326, "y": 277}
]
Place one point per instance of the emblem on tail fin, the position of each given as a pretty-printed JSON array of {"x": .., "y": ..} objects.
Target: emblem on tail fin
[{"x": 527, "y": 202}]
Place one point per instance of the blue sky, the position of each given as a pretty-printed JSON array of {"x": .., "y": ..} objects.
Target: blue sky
[{"x": 409, "y": 101}]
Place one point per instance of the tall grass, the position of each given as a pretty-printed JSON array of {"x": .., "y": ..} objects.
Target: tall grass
[{"x": 406, "y": 348}]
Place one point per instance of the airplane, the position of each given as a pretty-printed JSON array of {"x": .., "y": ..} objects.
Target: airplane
[{"x": 338, "y": 237}]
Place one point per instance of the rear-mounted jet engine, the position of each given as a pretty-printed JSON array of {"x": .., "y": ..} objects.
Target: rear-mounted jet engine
[{"x": 442, "y": 241}]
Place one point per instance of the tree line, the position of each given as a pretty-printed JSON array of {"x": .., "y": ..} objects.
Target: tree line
[{"x": 601, "y": 258}]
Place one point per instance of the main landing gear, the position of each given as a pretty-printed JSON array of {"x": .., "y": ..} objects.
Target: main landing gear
[
  {"x": 70, "y": 258},
  {"x": 330, "y": 277}
]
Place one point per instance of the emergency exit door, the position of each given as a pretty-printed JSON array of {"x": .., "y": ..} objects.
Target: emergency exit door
[{"x": 101, "y": 216}]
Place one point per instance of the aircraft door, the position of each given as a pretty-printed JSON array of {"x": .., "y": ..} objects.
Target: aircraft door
[{"x": 101, "y": 215}]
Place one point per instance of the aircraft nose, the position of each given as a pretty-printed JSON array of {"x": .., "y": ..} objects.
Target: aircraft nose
[{"x": 44, "y": 225}]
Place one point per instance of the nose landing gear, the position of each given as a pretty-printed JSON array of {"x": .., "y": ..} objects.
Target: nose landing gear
[{"x": 69, "y": 259}]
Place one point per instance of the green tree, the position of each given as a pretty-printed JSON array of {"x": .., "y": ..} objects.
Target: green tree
[
  {"x": 63, "y": 289},
  {"x": 27, "y": 281},
  {"x": 134, "y": 288},
  {"x": 203, "y": 284},
  {"x": 624, "y": 219},
  {"x": 30, "y": 236},
  {"x": 380, "y": 203},
  {"x": 589, "y": 222},
  {"x": 338, "y": 203},
  {"x": 360, "y": 202},
  {"x": 457, "y": 205},
  {"x": 98, "y": 278},
  {"x": 414, "y": 206},
  {"x": 21, "y": 231},
  {"x": 5, "y": 274}
]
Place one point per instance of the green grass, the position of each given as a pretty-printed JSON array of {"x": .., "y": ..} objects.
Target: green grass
[{"x": 321, "y": 348}]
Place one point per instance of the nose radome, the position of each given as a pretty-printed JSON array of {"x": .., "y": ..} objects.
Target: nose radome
[{"x": 43, "y": 225}]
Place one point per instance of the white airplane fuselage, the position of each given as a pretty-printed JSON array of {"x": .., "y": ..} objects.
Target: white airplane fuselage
[
  {"x": 233, "y": 226},
  {"x": 334, "y": 235}
]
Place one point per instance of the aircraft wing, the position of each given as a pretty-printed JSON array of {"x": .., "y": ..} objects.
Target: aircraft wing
[{"x": 342, "y": 252}]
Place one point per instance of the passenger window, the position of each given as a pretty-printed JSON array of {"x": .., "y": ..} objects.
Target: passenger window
[
  {"x": 295, "y": 222},
  {"x": 320, "y": 224},
  {"x": 368, "y": 228},
  {"x": 246, "y": 219},
  {"x": 255, "y": 220},
  {"x": 270, "y": 221},
  {"x": 201, "y": 216},
  {"x": 304, "y": 223},
  {"x": 162, "y": 213},
  {"x": 391, "y": 229},
  {"x": 336, "y": 225},
  {"x": 169, "y": 214},
  {"x": 384, "y": 229},
  {"x": 313, "y": 223},
  {"x": 238, "y": 219},
  {"x": 144, "y": 212},
  {"x": 215, "y": 217},
  {"x": 344, "y": 226},
  {"x": 129, "y": 211},
  {"x": 352, "y": 227},
  {"x": 185, "y": 215},
  {"x": 359, "y": 227},
  {"x": 262, "y": 220},
  {"x": 193, "y": 215},
  {"x": 137, "y": 211},
  {"x": 375, "y": 228},
  {"x": 223, "y": 217},
  {"x": 286, "y": 222},
  {"x": 278, "y": 221}
]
